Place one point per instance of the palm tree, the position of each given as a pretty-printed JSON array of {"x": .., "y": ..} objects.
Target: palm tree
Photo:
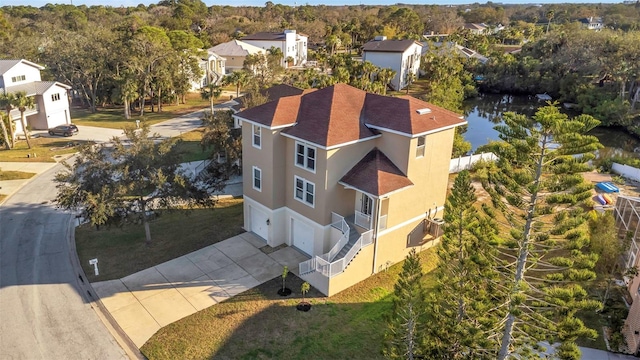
[
  {"x": 24, "y": 102},
  {"x": 6, "y": 101},
  {"x": 211, "y": 92},
  {"x": 5, "y": 134},
  {"x": 550, "y": 15},
  {"x": 239, "y": 79},
  {"x": 410, "y": 77},
  {"x": 385, "y": 76}
]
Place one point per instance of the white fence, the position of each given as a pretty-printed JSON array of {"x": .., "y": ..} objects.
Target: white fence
[
  {"x": 626, "y": 171},
  {"x": 465, "y": 162}
]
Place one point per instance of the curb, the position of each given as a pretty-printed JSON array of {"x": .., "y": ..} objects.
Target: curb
[{"x": 90, "y": 296}]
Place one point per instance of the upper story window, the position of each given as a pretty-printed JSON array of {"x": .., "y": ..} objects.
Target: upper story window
[
  {"x": 257, "y": 178},
  {"x": 18, "y": 78},
  {"x": 306, "y": 156},
  {"x": 55, "y": 97},
  {"x": 305, "y": 191},
  {"x": 257, "y": 141},
  {"x": 422, "y": 140}
]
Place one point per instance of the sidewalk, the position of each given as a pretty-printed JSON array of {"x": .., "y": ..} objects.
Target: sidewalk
[
  {"x": 10, "y": 187},
  {"x": 148, "y": 300}
]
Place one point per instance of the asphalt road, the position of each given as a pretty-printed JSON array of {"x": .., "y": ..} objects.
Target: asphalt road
[{"x": 42, "y": 313}]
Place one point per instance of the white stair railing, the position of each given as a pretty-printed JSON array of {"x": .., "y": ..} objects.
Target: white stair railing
[{"x": 331, "y": 269}]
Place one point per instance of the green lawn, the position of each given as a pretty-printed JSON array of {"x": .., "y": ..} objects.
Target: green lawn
[
  {"x": 15, "y": 175},
  {"x": 259, "y": 324},
  {"x": 122, "y": 251},
  {"x": 45, "y": 149},
  {"x": 190, "y": 146},
  {"x": 113, "y": 117}
]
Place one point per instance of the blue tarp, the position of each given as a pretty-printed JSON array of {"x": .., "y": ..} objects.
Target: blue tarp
[{"x": 607, "y": 187}]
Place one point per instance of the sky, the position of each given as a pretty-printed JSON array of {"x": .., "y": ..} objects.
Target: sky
[{"x": 39, "y": 3}]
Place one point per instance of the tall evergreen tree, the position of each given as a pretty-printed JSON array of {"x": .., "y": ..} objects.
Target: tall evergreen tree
[
  {"x": 458, "y": 326},
  {"x": 405, "y": 332},
  {"x": 537, "y": 186}
]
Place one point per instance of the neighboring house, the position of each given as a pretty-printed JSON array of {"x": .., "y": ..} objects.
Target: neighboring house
[
  {"x": 627, "y": 214},
  {"x": 460, "y": 50},
  {"x": 475, "y": 28},
  {"x": 234, "y": 52},
  {"x": 353, "y": 180},
  {"x": 213, "y": 70},
  {"x": 50, "y": 97},
  {"x": 403, "y": 56},
  {"x": 592, "y": 23},
  {"x": 292, "y": 44}
]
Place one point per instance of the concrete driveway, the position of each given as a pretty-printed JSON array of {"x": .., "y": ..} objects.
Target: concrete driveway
[
  {"x": 86, "y": 133},
  {"x": 148, "y": 300}
]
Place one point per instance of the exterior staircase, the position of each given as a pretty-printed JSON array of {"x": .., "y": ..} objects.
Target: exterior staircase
[{"x": 354, "y": 235}]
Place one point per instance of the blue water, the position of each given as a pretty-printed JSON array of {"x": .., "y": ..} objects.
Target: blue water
[{"x": 483, "y": 114}]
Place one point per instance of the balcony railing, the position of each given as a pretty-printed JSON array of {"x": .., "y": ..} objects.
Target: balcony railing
[
  {"x": 382, "y": 223},
  {"x": 15, "y": 113},
  {"x": 363, "y": 220}
]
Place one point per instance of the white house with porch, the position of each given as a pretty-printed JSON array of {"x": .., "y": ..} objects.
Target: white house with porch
[{"x": 50, "y": 97}]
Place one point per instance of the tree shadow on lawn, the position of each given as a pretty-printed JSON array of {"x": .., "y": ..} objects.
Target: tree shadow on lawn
[{"x": 261, "y": 324}]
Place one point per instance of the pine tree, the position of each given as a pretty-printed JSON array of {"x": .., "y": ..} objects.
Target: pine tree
[
  {"x": 457, "y": 326},
  {"x": 537, "y": 186},
  {"x": 405, "y": 332}
]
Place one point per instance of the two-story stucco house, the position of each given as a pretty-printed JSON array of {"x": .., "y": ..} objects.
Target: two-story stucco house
[
  {"x": 403, "y": 56},
  {"x": 234, "y": 52},
  {"x": 292, "y": 44},
  {"x": 353, "y": 180},
  {"x": 51, "y": 99}
]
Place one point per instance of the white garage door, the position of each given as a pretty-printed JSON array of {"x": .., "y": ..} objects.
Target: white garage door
[
  {"x": 259, "y": 223},
  {"x": 302, "y": 236},
  {"x": 58, "y": 118}
]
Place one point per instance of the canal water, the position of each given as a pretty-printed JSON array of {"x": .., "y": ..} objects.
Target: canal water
[{"x": 483, "y": 114}]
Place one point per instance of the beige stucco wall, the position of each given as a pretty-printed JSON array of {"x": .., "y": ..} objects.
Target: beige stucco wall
[{"x": 233, "y": 62}]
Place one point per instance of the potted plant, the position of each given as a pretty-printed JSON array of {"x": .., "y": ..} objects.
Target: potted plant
[
  {"x": 304, "y": 305},
  {"x": 284, "y": 291}
]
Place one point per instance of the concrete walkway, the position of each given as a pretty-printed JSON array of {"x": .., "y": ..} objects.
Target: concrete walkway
[{"x": 148, "y": 300}]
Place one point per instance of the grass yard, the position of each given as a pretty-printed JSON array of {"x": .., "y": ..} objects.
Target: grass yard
[
  {"x": 113, "y": 117},
  {"x": 45, "y": 150},
  {"x": 259, "y": 324},
  {"x": 15, "y": 175},
  {"x": 122, "y": 251},
  {"x": 190, "y": 146}
]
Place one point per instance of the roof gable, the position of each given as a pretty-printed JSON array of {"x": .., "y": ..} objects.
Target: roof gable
[
  {"x": 235, "y": 48},
  {"x": 376, "y": 175},
  {"x": 6, "y": 65},
  {"x": 331, "y": 116}
]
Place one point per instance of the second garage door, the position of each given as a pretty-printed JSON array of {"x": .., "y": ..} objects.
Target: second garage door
[
  {"x": 259, "y": 223},
  {"x": 302, "y": 236}
]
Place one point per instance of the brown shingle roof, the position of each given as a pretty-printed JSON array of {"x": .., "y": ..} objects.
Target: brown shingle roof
[
  {"x": 340, "y": 114},
  {"x": 375, "y": 174},
  {"x": 389, "y": 45},
  {"x": 331, "y": 116},
  {"x": 401, "y": 114}
]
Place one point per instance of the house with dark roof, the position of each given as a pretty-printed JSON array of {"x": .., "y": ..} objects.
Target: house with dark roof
[
  {"x": 402, "y": 56},
  {"x": 51, "y": 97},
  {"x": 292, "y": 44},
  {"x": 351, "y": 179}
]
